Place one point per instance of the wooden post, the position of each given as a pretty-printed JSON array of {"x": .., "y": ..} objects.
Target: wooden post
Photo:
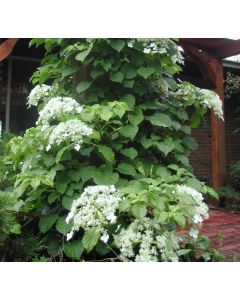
[{"x": 218, "y": 131}]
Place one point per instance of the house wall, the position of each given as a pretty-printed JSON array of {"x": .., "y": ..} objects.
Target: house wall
[{"x": 201, "y": 159}]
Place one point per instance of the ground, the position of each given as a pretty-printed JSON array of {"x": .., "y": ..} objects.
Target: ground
[{"x": 224, "y": 231}]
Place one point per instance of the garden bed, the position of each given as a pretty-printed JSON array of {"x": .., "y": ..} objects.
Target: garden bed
[{"x": 229, "y": 199}]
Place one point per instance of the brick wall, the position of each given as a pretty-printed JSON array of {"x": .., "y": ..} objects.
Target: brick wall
[{"x": 201, "y": 159}]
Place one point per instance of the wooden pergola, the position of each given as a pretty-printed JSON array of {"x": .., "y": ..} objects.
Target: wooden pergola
[
  {"x": 6, "y": 48},
  {"x": 208, "y": 54}
]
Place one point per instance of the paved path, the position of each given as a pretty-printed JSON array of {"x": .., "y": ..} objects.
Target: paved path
[{"x": 224, "y": 231}]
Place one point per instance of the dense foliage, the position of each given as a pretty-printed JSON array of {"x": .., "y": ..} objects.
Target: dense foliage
[
  {"x": 230, "y": 193},
  {"x": 232, "y": 86},
  {"x": 105, "y": 173}
]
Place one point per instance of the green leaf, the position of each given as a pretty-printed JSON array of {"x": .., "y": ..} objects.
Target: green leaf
[
  {"x": 116, "y": 77},
  {"x": 52, "y": 198},
  {"x": 160, "y": 215},
  {"x": 183, "y": 251},
  {"x": 127, "y": 169},
  {"x": 171, "y": 83},
  {"x": 67, "y": 202},
  {"x": 165, "y": 147},
  {"x": 131, "y": 73},
  {"x": 35, "y": 182},
  {"x": 83, "y": 86},
  {"x": 105, "y": 113},
  {"x": 124, "y": 205},
  {"x": 133, "y": 187},
  {"x": 87, "y": 173},
  {"x": 15, "y": 228},
  {"x": 102, "y": 248},
  {"x": 61, "y": 187},
  {"x": 195, "y": 120},
  {"x": 107, "y": 153},
  {"x": 190, "y": 143},
  {"x": 129, "y": 131},
  {"x": 69, "y": 70},
  {"x": 128, "y": 83},
  {"x": 163, "y": 172},
  {"x": 95, "y": 73},
  {"x": 194, "y": 183},
  {"x": 212, "y": 193},
  {"x": 135, "y": 119},
  {"x": 146, "y": 143},
  {"x": 183, "y": 159},
  {"x": 62, "y": 226},
  {"x": 139, "y": 210},
  {"x": 120, "y": 108},
  {"x": 105, "y": 176},
  {"x": 82, "y": 55},
  {"x": 145, "y": 72},
  {"x": 179, "y": 218},
  {"x": 129, "y": 99},
  {"x": 60, "y": 154},
  {"x": 90, "y": 238},
  {"x": 117, "y": 44},
  {"x": 46, "y": 222},
  {"x": 160, "y": 119},
  {"x": 186, "y": 129},
  {"x": 74, "y": 249},
  {"x": 158, "y": 202},
  {"x": 176, "y": 125},
  {"x": 129, "y": 152}
]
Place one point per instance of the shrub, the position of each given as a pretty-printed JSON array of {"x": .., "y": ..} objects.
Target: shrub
[{"x": 106, "y": 171}]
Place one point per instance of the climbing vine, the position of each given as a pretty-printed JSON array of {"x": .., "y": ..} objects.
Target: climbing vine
[{"x": 105, "y": 172}]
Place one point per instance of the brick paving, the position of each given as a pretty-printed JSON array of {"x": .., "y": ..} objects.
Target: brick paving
[{"x": 224, "y": 231}]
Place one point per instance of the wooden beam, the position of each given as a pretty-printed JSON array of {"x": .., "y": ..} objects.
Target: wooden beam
[
  {"x": 202, "y": 59},
  {"x": 6, "y": 48},
  {"x": 229, "y": 49},
  {"x": 204, "y": 43}
]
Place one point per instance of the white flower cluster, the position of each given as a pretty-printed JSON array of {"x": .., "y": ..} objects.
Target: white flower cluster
[
  {"x": 205, "y": 97},
  {"x": 141, "y": 235},
  {"x": 212, "y": 101},
  {"x": 96, "y": 207},
  {"x": 58, "y": 107},
  {"x": 161, "y": 46},
  {"x": 39, "y": 92},
  {"x": 196, "y": 209},
  {"x": 72, "y": 130}
]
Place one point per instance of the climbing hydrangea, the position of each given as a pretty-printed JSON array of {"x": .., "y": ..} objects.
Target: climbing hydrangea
[
  {"x": 162, "y": 46},
  {"x": 212, "y": 101},
  {"x": 96, "y": 207},
  {"x": 58, "y": 107},
  {"x": 39, "y": 92},
  {"x": 205, "y": 97},
  {"x": 72, "y": 130},
  {"x": 147, "y": 236},
  {"x": 194, "y": 206}
]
